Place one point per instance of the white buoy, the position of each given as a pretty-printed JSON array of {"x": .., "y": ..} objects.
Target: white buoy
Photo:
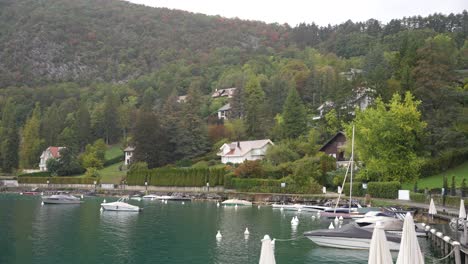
[
  {"x": 42, "y": 203},
  {"x": 101, "y": 209},
  {"x": 273, "y": 243},
  {"x": 299, "y": 210},
  {"x": 218, "y": 235},
  {"x": 341, "y": 218},
  {"x": 21, "y": 193},
  {"x": 165, "y": 201},
  {"x": 82, "y": 196},
  {"x": 42, "y": 193},
  {"x": 258, "y": 207},
  {"x": 313, "y": 217},
  {"x": 104, "y": 201},
  {"x": 235, "y": 206},
  {"x": 246, "y": 232},
  {"x": 294, "y": 221},
  {"x": 152, "y": 199},
  {"x": 281, "y": 208},
  {"x": 336, "y": 219},
  {"x": 183, "y": 202},
  {"x": 217, "y": 204},
  {"x": 331, "y": 226}
]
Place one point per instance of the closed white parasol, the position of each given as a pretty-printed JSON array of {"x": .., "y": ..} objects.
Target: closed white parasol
[
  {"x": 379, "y": 252},
  {"x": 410, "y": 252},
  {"x": 462, "y": 212},
  {"x": 432, "y": 208},
  {"x": 266, "y": 254}
]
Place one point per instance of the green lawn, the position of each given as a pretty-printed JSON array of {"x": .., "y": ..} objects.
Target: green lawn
[
  {"x": 112, "y": 174},
  {"x": 113, "y": 152},
  {"x": 436, "y": 181}
]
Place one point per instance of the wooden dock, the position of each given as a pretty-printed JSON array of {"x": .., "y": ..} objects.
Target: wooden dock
[{"x": 451, "y": 248}]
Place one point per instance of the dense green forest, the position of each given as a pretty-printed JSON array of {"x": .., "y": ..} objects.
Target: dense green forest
[{"x": 80, "y": 73}]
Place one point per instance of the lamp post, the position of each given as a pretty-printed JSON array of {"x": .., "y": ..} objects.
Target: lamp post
[
  {"x": 146, "y": 186},
  {"x": 95, "y": 186},
  {"x": 47, "y": 183}
]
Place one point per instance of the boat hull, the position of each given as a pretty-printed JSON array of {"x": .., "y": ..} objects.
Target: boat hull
[
  {"x": 52, "y": 201},
  {"x": 119, "y": 208},
  {"x": 348, "y": 243}
]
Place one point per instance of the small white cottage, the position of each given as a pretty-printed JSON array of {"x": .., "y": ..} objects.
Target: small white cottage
[
  {"x": 237, "y": 152},
  {"x": 50, "y": 153},
  {"x": 128, "y": 151}
]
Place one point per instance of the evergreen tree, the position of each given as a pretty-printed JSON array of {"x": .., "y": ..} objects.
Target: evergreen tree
[
  {"x": 254, "y": 106},
  {"x": 110, "y": 118},
  {"x": 83, "y": 126},
  {"x": 294, "y": 115},
  {"x": 31, "y": 144},
  {"x": 52, "y": 125},
  {"x": 9, "y": 138},
  {"x": 150, "y": 140},
  {"x": 192, "y": 132}
]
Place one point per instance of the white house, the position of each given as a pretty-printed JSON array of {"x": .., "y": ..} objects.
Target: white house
[
  {"x": 237, "y": 152},
  {"x": 223, "y": 112},
  {"x": 128, "y": 151},
  {"x": 49, "y": 153},
  {"x": 228, "y": 92}
]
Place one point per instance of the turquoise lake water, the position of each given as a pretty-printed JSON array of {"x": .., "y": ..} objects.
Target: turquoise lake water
[{"x": 162, "y": 233}]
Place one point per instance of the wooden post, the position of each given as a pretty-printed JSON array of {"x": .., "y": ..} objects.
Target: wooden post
[{"x": 456, "y": 251}]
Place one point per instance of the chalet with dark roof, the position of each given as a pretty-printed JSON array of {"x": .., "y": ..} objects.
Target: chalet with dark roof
[{"x": 335, "y": 147}]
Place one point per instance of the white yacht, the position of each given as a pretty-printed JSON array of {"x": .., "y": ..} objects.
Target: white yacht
[
  {"x": 388, "y": 222},
  {"x": 120, "y": 205},
  {"x": 150, "y": 197},
  {"x": 61, "y": 199}
]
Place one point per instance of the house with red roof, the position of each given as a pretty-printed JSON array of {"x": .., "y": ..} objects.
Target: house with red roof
[
  {"x": 50, "y": 153},
  {"x": 237, "y": 152}
]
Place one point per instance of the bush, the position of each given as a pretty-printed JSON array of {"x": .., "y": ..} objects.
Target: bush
[
  {"x": 418, "y": 197},
  {"x": 200, "y": 164},
  {"x": 357, "y": 189},
  {"x": 36, "y": 174},
  {"x": 250, "y": 169},
  {"x": 387, "y": 190},
  {"x": 190, "y": 177},
  {"x": 57, "y": 180},
  {"x": 444, "y": 162}
]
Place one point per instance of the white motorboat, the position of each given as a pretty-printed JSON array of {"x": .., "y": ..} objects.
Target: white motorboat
[
  {"x": 150, "y": 197},
  {"x": 290, "y": 207},
  {"x": 120, "y": 205},
  {"x": 174, "y": 198},
  {"x": 135, "y": 198},
  {"x": 234, "y": 202},
  {"x": 388, "y": 222},
  {"x": 350, "y": 236},
  {"x": 61, "y": 199},
  {"x": 315, "y": 208}
]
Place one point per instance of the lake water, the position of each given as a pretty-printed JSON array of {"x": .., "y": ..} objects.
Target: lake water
[{"x": 162, "y": 233}]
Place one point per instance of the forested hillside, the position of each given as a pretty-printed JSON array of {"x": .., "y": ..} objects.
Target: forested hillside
[{"x": 75, "y": 71}]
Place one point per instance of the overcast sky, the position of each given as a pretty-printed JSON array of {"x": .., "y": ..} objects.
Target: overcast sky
[{"x": 321, "y": 12}]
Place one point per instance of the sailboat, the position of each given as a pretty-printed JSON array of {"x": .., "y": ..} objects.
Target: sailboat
[{"x": 351, "y": 210}]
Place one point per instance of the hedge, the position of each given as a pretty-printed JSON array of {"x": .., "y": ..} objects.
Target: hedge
[
  {"x": 418, "y": 197},
  {"x": 114, "y": 160},
  {"x": 271, "y": 186},
  {"x": 357, "y": 189},
  {"x": 387, "y": 190},
  {"x": 57, "y": 180},
  {"x": 190, "y": 177},
  {"x": 444, "y": 162},
  {"x": 36, "y": 174}
]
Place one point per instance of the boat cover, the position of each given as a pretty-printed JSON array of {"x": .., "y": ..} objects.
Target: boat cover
[{"x": 349, "y": 231}]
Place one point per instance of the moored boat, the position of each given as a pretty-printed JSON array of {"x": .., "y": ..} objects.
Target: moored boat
[
  {"x": 350, "y": 236},
  {"x": 237, "y": 202},
  {"x": 61, "y": 199},
  {"x": 120, "y": 206}
]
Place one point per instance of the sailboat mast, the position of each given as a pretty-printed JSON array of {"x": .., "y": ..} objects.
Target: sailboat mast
[{"x": 352, "y": 168}]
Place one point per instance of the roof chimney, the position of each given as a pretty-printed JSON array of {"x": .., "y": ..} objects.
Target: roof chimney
[{"x": 238, "y": 144}]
